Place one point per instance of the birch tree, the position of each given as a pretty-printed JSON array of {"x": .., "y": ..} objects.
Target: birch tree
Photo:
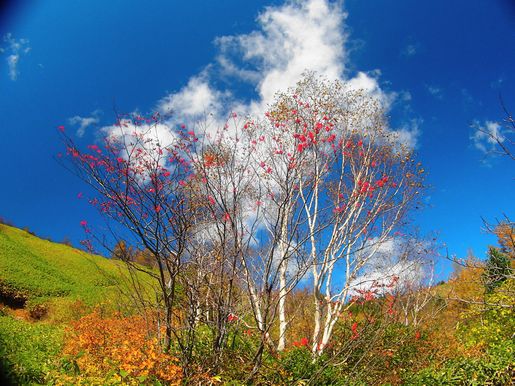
[
  {"x": 357, "y": 184},
  {"x": 247, "y": 183}
]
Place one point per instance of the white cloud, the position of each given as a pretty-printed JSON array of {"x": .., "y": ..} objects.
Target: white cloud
[
  {"x": 14, "y": 48},
  {"x": 195, "y": 100},
  {"x": 410, "y": 50},
  {"x": 369, "y": 83},
  {"x": 409, "y": 133},
  {"x": 291, "y": 39},
  {"x": 296, "y": 37},
  {"x": 487, "y": 136},
  {"x": 397, "y": 264},
  {"x": 12, "y": 63},
  {"x": 435, "y": 91},
  {"x": 84, "y": 122}
]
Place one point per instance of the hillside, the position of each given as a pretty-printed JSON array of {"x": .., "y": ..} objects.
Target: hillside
[
  {"x": 43, "y": 285},
  {"x": 35, "y": 269}
]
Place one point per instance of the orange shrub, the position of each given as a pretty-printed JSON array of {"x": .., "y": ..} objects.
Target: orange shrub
[{"x": 103, "y": 345}]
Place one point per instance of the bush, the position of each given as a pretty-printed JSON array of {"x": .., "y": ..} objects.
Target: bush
[
  {"x": 28, "y": 351},
  {"x": 489, "y": 370},
  {"x": 117, "y": 349},
  {"x": 299, "y": 364},
  {"x": 486, "y": 332}
]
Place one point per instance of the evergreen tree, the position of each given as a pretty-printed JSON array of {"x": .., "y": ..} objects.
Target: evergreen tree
[{"x": 497, "y": 269}]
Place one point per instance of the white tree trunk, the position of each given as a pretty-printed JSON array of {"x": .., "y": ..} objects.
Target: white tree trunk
[
  {"x": 282, "y": 308},
  {"x": 283, "y": 290}
]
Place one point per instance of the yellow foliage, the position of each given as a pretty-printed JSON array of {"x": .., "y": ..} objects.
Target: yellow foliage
[
  {"x": 506, "y": 235},
  {"x": 100, "y": 345}
]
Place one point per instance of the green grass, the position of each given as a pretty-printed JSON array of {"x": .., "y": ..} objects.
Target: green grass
[
  {"x": 57, "y": 277},
  {"x": 28, "y": 350},
  {"x": 34, "y": 268}
]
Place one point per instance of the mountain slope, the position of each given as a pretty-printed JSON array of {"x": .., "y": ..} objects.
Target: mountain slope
[
  {"x": 32, "y": 268},
  {"x": 44, "y": 285}
]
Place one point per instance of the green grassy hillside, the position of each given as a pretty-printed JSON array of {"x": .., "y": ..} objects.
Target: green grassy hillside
[
  {"x": 33, "y": 268},
  {"x": 43, "y": 285}
]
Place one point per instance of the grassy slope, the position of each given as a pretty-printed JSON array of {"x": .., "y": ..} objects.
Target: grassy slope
[
  {"x": 43, "y": 272},
  {"x": 36, "y": 268}
]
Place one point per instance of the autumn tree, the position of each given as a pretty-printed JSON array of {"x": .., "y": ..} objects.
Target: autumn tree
[
  {"x": 316, "y": 187},
  {"x": 355, "y": 185},
  {"x": 247, "y": 192},
  {"x": 139, "y": 178},
  {"x": 239, "y": 214},
  {"x": 415, "y": 290}
]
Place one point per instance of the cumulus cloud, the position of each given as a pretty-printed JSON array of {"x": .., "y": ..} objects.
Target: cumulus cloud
[
  {"x": 194, "y": 100},
  {"x": 289, "y": 40},
  {"x": 487, "y": 136},
  {"x": 396, "y": 264},
  {"x": 408, "y": 133},
  {"x": 14, "y": 49},
  {"x": 83, "y": 123}
]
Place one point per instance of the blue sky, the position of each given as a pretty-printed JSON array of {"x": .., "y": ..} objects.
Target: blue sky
[{"x": 440, "y": 65}]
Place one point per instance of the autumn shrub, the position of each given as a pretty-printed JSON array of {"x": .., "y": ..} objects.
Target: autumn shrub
[
  {"x": 497, "y": 269},
  {"x": 38, "y": 312},
  {"x": 487, "y": 370},
  {"x": 485, "y": 344},
  {"x": 117, "y": 348},
  {"x": 298, "y": 363},
  {"x": 236, "y": 361},
  {"x": 484, "y": 326},
  {"x": 362, "y": 352}
]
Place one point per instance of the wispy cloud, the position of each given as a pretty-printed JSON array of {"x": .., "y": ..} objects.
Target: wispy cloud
[
  {"x": 14, "y": 49},
  {"x": 83, "y": 123},
  {"x": 435, "y": 91},
  {"x": 498, "y": 83},
  {"x": 410, "y": 50},
  {"x": 411, "y": 47},
  {"x": 405, "y": 96},
  {"x": 487, "y": 136}
]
